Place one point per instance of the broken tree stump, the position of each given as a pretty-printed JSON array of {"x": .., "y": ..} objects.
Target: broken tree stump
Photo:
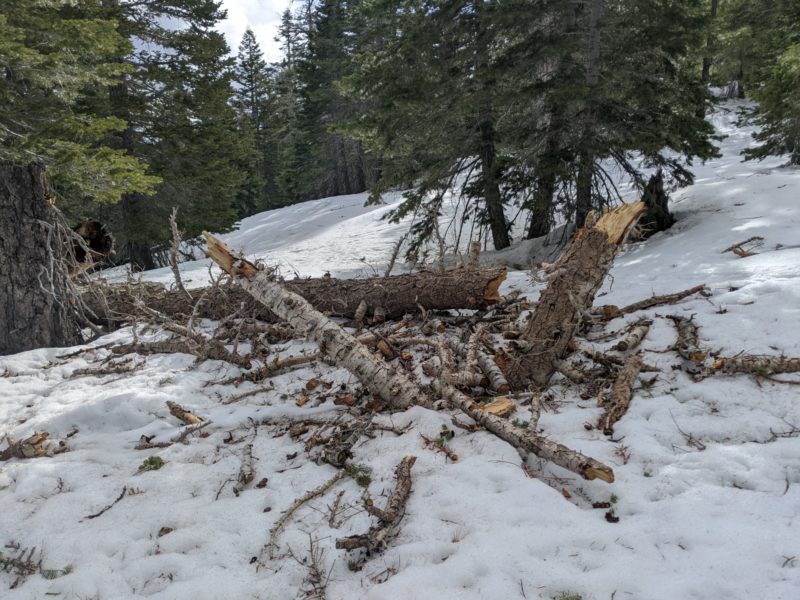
[{"x": 574, "y": 280}]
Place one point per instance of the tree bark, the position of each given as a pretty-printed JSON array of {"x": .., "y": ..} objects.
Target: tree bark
[
  {"x": 34, "y": 307},
  {"x": 574, "y": 281},
  {"x": 397, "y": 295}
]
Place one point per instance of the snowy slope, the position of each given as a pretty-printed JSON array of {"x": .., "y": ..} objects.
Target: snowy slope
[{"x": 707, "y": 474}]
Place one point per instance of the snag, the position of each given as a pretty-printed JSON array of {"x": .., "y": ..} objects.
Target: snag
[{"x": 383, "y": 297}]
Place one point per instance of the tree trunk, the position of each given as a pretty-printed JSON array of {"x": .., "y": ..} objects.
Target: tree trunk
[
  {"x": 542, "y": 210},
  {"x": 708, "y": 59},
  {"x": 34, "y": 308},
  {"x": 397, "y": 295},
  {"x": 574, "y": 281},
  {"x": 584, "y": 188},
  {"x": 491, "y": 183},
  {"x": 657, "y": 218}
]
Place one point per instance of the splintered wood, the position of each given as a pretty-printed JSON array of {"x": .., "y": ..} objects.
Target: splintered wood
[{"x": 573, "y": 282}]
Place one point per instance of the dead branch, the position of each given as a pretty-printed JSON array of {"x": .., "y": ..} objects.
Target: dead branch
[
  {"x": 439, "y": 445},
  {"x": 173, "y": 252},
  {"x": 246, "y": 471},
  {"x": 120, "y": 497},
  {"x": 620, "y": 399},
  {"x": 22, "y": 565},
  {"x": 758, "y": 365},
  {"x": 739, "y": 249},
  {"x": 661, "y": 300},
  {"x": 376, "y": 539},
  {"x": 179, "y": 412},
  {"x": 688, "y": 342},
  {"x": 31, "y": 447},
  {"x": 146, "y": 444},
  {"x": 635, "y": 336},
  {"x": 574, "y": 461},
  {"x": 272, "y": 545}
]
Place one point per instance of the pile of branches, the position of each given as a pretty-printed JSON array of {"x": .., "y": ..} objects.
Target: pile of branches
[{"x": 483, "y": 365}]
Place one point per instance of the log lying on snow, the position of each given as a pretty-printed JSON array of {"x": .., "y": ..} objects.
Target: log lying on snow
[
  {"x": 574, "y": 281},
  {"x": 393, "y": 296},
  {"x": 394, "y": 387}
]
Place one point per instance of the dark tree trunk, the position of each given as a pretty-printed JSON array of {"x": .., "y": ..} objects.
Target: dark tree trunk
[
  {"x": 657, "y": 218},
  {"x": 491, "y": 183},
  {"x": 584, "y": 188},
  {"x": 708, "y": 59},
  {"x": 542, "y": 206},
  {"x": 34, "y": 309},
  {"x": 542, "y": 211}
]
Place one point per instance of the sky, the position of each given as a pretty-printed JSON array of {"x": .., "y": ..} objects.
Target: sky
[{"x": 263, "y": 17}]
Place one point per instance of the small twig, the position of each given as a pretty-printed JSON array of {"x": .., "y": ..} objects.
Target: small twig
[
  {"x": 272, "y": 545},
  {"x": 121, "y": 495}
]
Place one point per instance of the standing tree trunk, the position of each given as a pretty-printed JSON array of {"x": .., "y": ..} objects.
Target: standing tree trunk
[
  {"x": 708, "y": 59},
  {"x": 491, "y": 183},
  {"x": 34, "y": 310}
]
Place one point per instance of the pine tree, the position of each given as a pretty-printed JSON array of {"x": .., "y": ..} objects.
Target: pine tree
[
  {"x": 55, "y": 57},
  {"x": 175, "y": 96},
  {"x": 427, "y": 78},
  {"x": 336, "y": 164},
  {"x": 253, "y": 80}
]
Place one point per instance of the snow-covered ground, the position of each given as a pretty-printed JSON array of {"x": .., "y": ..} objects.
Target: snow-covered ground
[{"x": 707, "y": 486}]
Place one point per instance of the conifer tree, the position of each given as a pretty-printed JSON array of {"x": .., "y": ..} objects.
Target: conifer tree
[
  {"x": 55, "y": 57},
  {"x": 175, "y": 97}
]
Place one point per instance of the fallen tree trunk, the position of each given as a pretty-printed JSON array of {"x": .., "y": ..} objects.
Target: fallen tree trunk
[
  {"x": 573, "y": 283},
  {"x": 390, "y": 296},
  {"x": 392, "y": 386}
]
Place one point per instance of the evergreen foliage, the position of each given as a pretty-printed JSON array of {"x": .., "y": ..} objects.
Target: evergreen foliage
[
  {"x": 529, "y": 108},
  {"x": 54, "y": 58}
]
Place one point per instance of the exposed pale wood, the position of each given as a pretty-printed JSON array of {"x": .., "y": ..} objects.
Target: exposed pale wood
[
  {"x": 635, "y": 336},
  {"x": 620, "y": 399},
  {"x": 502, "y": 406},
  {"x": 246, "y": 471},
  {"x": 178, "y": 411},
  {"x": 573, "y": 283}
]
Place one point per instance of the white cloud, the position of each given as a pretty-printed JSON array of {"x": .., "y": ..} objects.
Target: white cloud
[{"x": 262, "y": 16}]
